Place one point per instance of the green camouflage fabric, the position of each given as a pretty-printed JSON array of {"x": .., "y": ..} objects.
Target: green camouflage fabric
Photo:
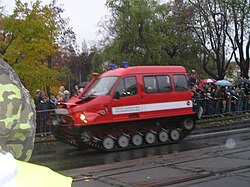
[{"x": 17, "y": 115}]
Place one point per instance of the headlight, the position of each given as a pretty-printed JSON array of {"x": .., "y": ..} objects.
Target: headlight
[{"x": 83, "y": 118}]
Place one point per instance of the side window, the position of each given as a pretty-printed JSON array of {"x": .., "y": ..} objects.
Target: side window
[
  {"x": 120, "y": 88},
  {"x": 157, "y": 84},
  {"x": 180, "y": 83},
  {"x": 150, "y": 84},
  {"x": 127, "y": 87},
  {"x": 164, "y": 84}
]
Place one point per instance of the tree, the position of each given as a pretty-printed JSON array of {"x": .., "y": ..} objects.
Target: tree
[
  {"x": 223, "y": 29},
  {"x": 240, "y": 38},
  {"x": 66, "y": 76},
  {"x": 25, "y": 43},
  {"x": 178, "y": 40},
  {"x": 31, "y": 37},
  {"x": 146, "y": 32},
  {"x": 132, "y": 31},
  {"x": 211, "y": 29}
]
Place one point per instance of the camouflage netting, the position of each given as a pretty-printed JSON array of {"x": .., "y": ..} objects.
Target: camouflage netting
[{"x": 17, "y": 115}]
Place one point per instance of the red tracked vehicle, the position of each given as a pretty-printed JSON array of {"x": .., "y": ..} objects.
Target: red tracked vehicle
[{"x": 128, "y": 108}]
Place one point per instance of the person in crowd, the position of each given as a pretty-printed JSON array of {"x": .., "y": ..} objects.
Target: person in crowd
[
  {"x": 223, "y": 99},
  {"x": 214, "y": 103},
  {"x": 17, "y": 135},
  {"x": 61, "y": 91},
  {"x": 246, "y": 96},
  {"x": 74, "y": 94},
  {"x": 208, "y": 87},
  {"x": 43, "y": 114},
  {"x": 228, "y": 95},
  {"x": 76, "y": 89},
  {"x": 37, "y": 98},
  {"x": 43, "y": 105},
  {"x": 40, "y": 94},
  {"x": 247, "y": 93},
  {"x": 198, "y": 99},
  {"x": 53, "y": 102},
  {"x": 192, "y": 79},
  {"x": 218, "y": 99},
  {"x": 234, "y": 99},
  {"x": 201, "y": 84},
  {"x": 210, "y": 104},
  {"x": 240, "y": 94},
  {"x": 66, "y": 97},
  {"x": 59, "y": 98}
]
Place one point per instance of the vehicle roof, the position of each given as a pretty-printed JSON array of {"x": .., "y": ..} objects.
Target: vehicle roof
[{"x": 133, "y": 70}]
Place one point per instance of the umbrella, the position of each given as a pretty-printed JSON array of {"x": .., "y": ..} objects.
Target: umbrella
[
  {"x": 223, "y": 83},
  {"x": 209, "y": 80},
  {"x": 240, "y": 81}
]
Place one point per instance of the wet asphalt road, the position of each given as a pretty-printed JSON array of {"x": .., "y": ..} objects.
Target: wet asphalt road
[
  {"x": 59, "y": 156},
  {"x": 226, "y": 165}
]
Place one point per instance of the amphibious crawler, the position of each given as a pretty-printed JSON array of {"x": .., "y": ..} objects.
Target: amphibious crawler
[{"x": 127, "y": 108}]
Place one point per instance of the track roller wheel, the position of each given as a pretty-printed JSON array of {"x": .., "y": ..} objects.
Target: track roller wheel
[
  {"x": 150, "y": 137},
  {"x": 85, "y": 136},
  {"x": 188, "y": 123},
  {"x": 108, "y": 143},
  {"x": 96, "y": 140},
  {"x": 175, "y": 134},
  {"x": 137, "y": 139},
  {"x": 123, "y": 141},
  {"x": 163, "y": 136}
]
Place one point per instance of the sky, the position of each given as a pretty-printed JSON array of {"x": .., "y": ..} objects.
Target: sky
[{"x": 84, "y": 16}]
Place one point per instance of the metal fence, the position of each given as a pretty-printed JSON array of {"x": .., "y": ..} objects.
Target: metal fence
[
  {"x": 210, "y": 107},
  {"x": 204, "y": 107},
  {"x": 42, "y": 126}
]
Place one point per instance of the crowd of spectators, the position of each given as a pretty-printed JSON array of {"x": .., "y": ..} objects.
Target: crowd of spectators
[
  {"x": 46, "y": 102},
  {"x": 210, "y": 99}
]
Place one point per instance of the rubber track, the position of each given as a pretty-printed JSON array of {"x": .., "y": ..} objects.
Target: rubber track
[{"x": 184, "y": 133}]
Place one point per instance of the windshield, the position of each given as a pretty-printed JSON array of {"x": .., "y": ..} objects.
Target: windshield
[{"x": 101, "y": 86}]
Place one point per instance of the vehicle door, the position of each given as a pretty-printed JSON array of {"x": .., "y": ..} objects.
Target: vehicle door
[
  {"x": 157, "y": 96},
  {"x": 126, "y": 99}
]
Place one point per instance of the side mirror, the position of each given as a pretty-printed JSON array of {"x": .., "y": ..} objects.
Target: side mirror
[{"x": 117, "y": 95}]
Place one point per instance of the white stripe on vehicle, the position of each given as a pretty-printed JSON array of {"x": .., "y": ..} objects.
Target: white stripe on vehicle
[{"x": 152, "y": 107}]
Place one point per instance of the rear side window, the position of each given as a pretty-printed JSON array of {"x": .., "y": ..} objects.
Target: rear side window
[
  {"x": 157, "y": 84},
  {"x": 127, "y": 87},
  {"x": 180, "y": 83}
]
